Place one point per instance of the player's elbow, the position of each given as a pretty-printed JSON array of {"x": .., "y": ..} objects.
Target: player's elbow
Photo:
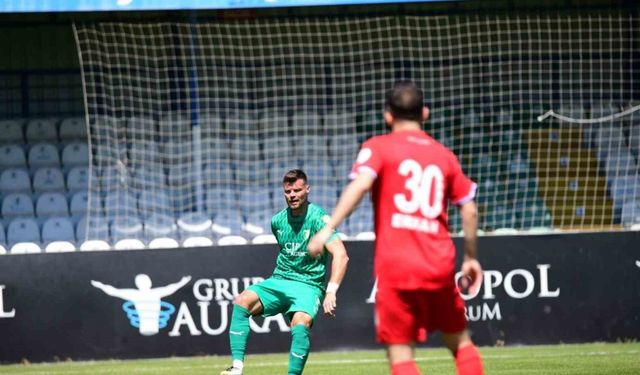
[{"x": 469, "y": 212}]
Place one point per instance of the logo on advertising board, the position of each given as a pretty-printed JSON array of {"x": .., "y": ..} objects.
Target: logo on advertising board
[
  {"x": 517, "y": 283},
  {"x": 146, "y": 310},
  {"x": 5, "y": 314},
  {"x": 144, "y": 305}
]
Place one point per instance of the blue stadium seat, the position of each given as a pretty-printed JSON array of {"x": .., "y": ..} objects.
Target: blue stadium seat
[
  {"x": 258, "y": 222},
  {"x": 149, "y": 177},
  {"x": 126, "y": 227},
  {"x": 41, "y": 130},
  {"x": 78, "y": 179},
  {"x": 160, "y": 226},
  {"x": 226, "y": 222},
  {"x": 218, "y": 173},
  {"x": 219, "y": 198},
  {"x": 15, "y": 180},
  {"x": 3, "y": 236},
  {"x": 48, "y": 179},
  {"x": 75, "y": 154},
  {"x": 73, "y": 128},
  {"x": 120, "y": 202},
  {"x": 58, "y": 229},
  {"x": 145, "y": 152},
  {"x": 92, "y": 228},
  {"x": 42, "y": 155},
  {"x": 12, "y": 156},
  {"x": 11, "y": 131},
  {"x": 194, "y": 224},
  {"x": 631, "y": 212},
  {"x": 17, "y": 205},
  {"x": 23, "y": 230},
  {"x": 52, "y": 204},
  {"x": 153, "y": 201}
]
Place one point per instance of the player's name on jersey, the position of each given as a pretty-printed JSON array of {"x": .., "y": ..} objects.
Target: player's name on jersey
[{"x": 402, "y": 221}]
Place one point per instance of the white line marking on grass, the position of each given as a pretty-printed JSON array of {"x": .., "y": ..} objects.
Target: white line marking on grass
[{"x": 160, "y": 368}]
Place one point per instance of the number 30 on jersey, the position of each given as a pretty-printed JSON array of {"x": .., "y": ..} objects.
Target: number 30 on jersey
[{"x": 423, "y": 184}]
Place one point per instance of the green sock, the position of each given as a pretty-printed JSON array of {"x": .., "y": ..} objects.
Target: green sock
[
  {"x": 239, "y": 332},
  {"x": 299, "y": 349}
]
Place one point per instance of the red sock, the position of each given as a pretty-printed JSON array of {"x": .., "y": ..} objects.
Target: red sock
[
  {"x": 468, "y": 361},
  {"x": 405, "y": 368}
]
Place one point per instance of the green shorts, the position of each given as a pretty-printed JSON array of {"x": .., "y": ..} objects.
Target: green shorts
[{"x": 287, "y": 297}]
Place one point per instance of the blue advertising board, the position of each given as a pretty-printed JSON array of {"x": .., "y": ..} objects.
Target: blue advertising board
[{"x": 19, "y": 6}]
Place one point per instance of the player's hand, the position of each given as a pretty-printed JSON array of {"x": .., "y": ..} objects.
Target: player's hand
[
  {"x": 329, "y": 304},
  {"x": 316, "y": 244},
  {"x": 471, "y": 275},
  {"x": 97, "y": 284}
]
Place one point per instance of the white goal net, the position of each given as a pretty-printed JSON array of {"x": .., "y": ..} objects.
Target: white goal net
[{"x": 196, "y": 124}]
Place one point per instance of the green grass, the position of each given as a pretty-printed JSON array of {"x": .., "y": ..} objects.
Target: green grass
[{"x": 598, "y": 358}]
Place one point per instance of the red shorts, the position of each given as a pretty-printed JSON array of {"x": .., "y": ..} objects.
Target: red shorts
[{"x": 404, "y": 316}]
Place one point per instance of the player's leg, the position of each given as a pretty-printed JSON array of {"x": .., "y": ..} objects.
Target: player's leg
[
  {"x": 398, "y": 329},
  {"x": 448, "y": 315},
  {"x": 467, "y": 357},
  {"x": 245, "y": 305},
  {"x": 300, "y": 342}
]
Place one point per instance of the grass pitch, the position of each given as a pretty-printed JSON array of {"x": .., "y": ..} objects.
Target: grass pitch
[{"x": 597, "y": 358}]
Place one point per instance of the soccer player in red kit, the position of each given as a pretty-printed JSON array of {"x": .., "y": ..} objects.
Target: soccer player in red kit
[{"x": 412, "y": 177}]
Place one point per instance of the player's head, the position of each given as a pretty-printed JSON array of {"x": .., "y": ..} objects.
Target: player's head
[
  {"x": 404, "y": 102},
  {"x": 143, "y": 281},
  {"x": 295, "y": 188}
]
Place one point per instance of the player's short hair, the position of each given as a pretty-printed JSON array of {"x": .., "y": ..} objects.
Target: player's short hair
[
  {"x": 404, "y": 101},
  {"x": 294, "y": 175}
]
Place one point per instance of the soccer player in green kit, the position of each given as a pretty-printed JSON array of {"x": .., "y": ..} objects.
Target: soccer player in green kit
[{"x": 296, "y": 286}]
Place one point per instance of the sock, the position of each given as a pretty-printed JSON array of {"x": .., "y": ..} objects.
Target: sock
[
  {"x": 468, "y": 361},
  {"x": 239, "y": 332},
  {"x": 405, "y": 368},
  {"x": 300, "y": 345}
]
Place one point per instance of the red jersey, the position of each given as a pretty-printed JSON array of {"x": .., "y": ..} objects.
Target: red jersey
[{"x": 415, "y": 178}]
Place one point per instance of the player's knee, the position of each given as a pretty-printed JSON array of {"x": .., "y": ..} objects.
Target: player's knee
[
  {"x": 302, "y": 319},
  {"x": 245, "y": 300}
]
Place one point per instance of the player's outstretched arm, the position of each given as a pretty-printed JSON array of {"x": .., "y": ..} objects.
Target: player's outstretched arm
[
  {"x": 349, "y": 199},
  {"x": 471, "y": 269},
  {"x": 339, "y": 262}
]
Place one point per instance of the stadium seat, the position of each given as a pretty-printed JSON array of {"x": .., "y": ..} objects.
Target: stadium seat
[
  {"x": 120, "y": 202},
  {"x": 126, "y": 227},
  {"x": 3, "y": 235},
  {"x": 339, "y": 122},
  {"x": 214, "y": 146},
  {"x": 177, "y": 152},
  {"x": 242, "y": 149},
  {"x": 3, "y": 251},
  {"x": 153, "y": 201},
  {"x": 78, "y": 179},
  {"x": 220, "y": 198},
  {"x": 218, "y": 174},
  {"x": 139, "y": 127},
  {"x": 505, "y": 231},
  {"x": 75, "y": 154},
  {"x": 232, "y": 240},
  {"x": 41, "y": 130},
  {"x": 160, "y": 226},
  {"x": 175, "y": 126},
  {"x": 194, "y": 224},
  {"x": 365, "y": 236},
  {"x": 312, "y": 148},
  {"x": 631, "y": 212},
  {"x": 252, "y": 173},
  {"x": 113, "y": 178},
  {"x": 361, "y": 220},
  {"x": 306, "y": 122},
  {"x": 227, "y": 222},
  {"x": 634, "y": 138},
  {"x": 79, "y": 204},
  {"x": 129, "y": 244},
  {"x": 94, "y": 245},
  {"x": 12, "y": 156},
  {"x": 180, "y": 175},
  {"x": 163, "y": 243},
  {"x": 59, "y": 247},
  {"x": 73, "y": 128},
  {"x": 278, "y": 148},
  {"x": 149, "y": 177},
  {"x": 324, "y": 194},
  {"x": 144, "y": 152},
  {"x": 609, "y": 139},
  {"x": 23, "y": 230},
  {"x": 197, "y": 241},
  {"x": 52, "y": 204},
  {"x": 17, "y": 205},
  {"x": 344, "y": 147},
  {"x": 43, "y": 155},
  {"x": 48, "y": 179},
  {"x": 258, "y": 222},
  {"x": 15, "y": 180},
  {"x": 264, "y": 239},
  {"x": 11, "y": 132},
  {"x": 273, "y": 123},
  {"x": 25, "y": 248},
  {"x": 92, "y": 228},
  {"x": 108, "y": 154},
  {"x": 58, "y": 229}
]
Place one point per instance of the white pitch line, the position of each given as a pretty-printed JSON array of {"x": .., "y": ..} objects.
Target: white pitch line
[{"x": 164, "y": 369}]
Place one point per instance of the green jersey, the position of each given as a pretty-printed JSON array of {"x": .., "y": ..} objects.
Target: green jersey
[{"x": 293, "y": 234}]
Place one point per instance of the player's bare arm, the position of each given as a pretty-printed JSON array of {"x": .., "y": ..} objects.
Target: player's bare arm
[
  {"x": 339, "y": 262},
  {"x": 471, "y": 269},
  {"x": 349, "y": 199}
]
